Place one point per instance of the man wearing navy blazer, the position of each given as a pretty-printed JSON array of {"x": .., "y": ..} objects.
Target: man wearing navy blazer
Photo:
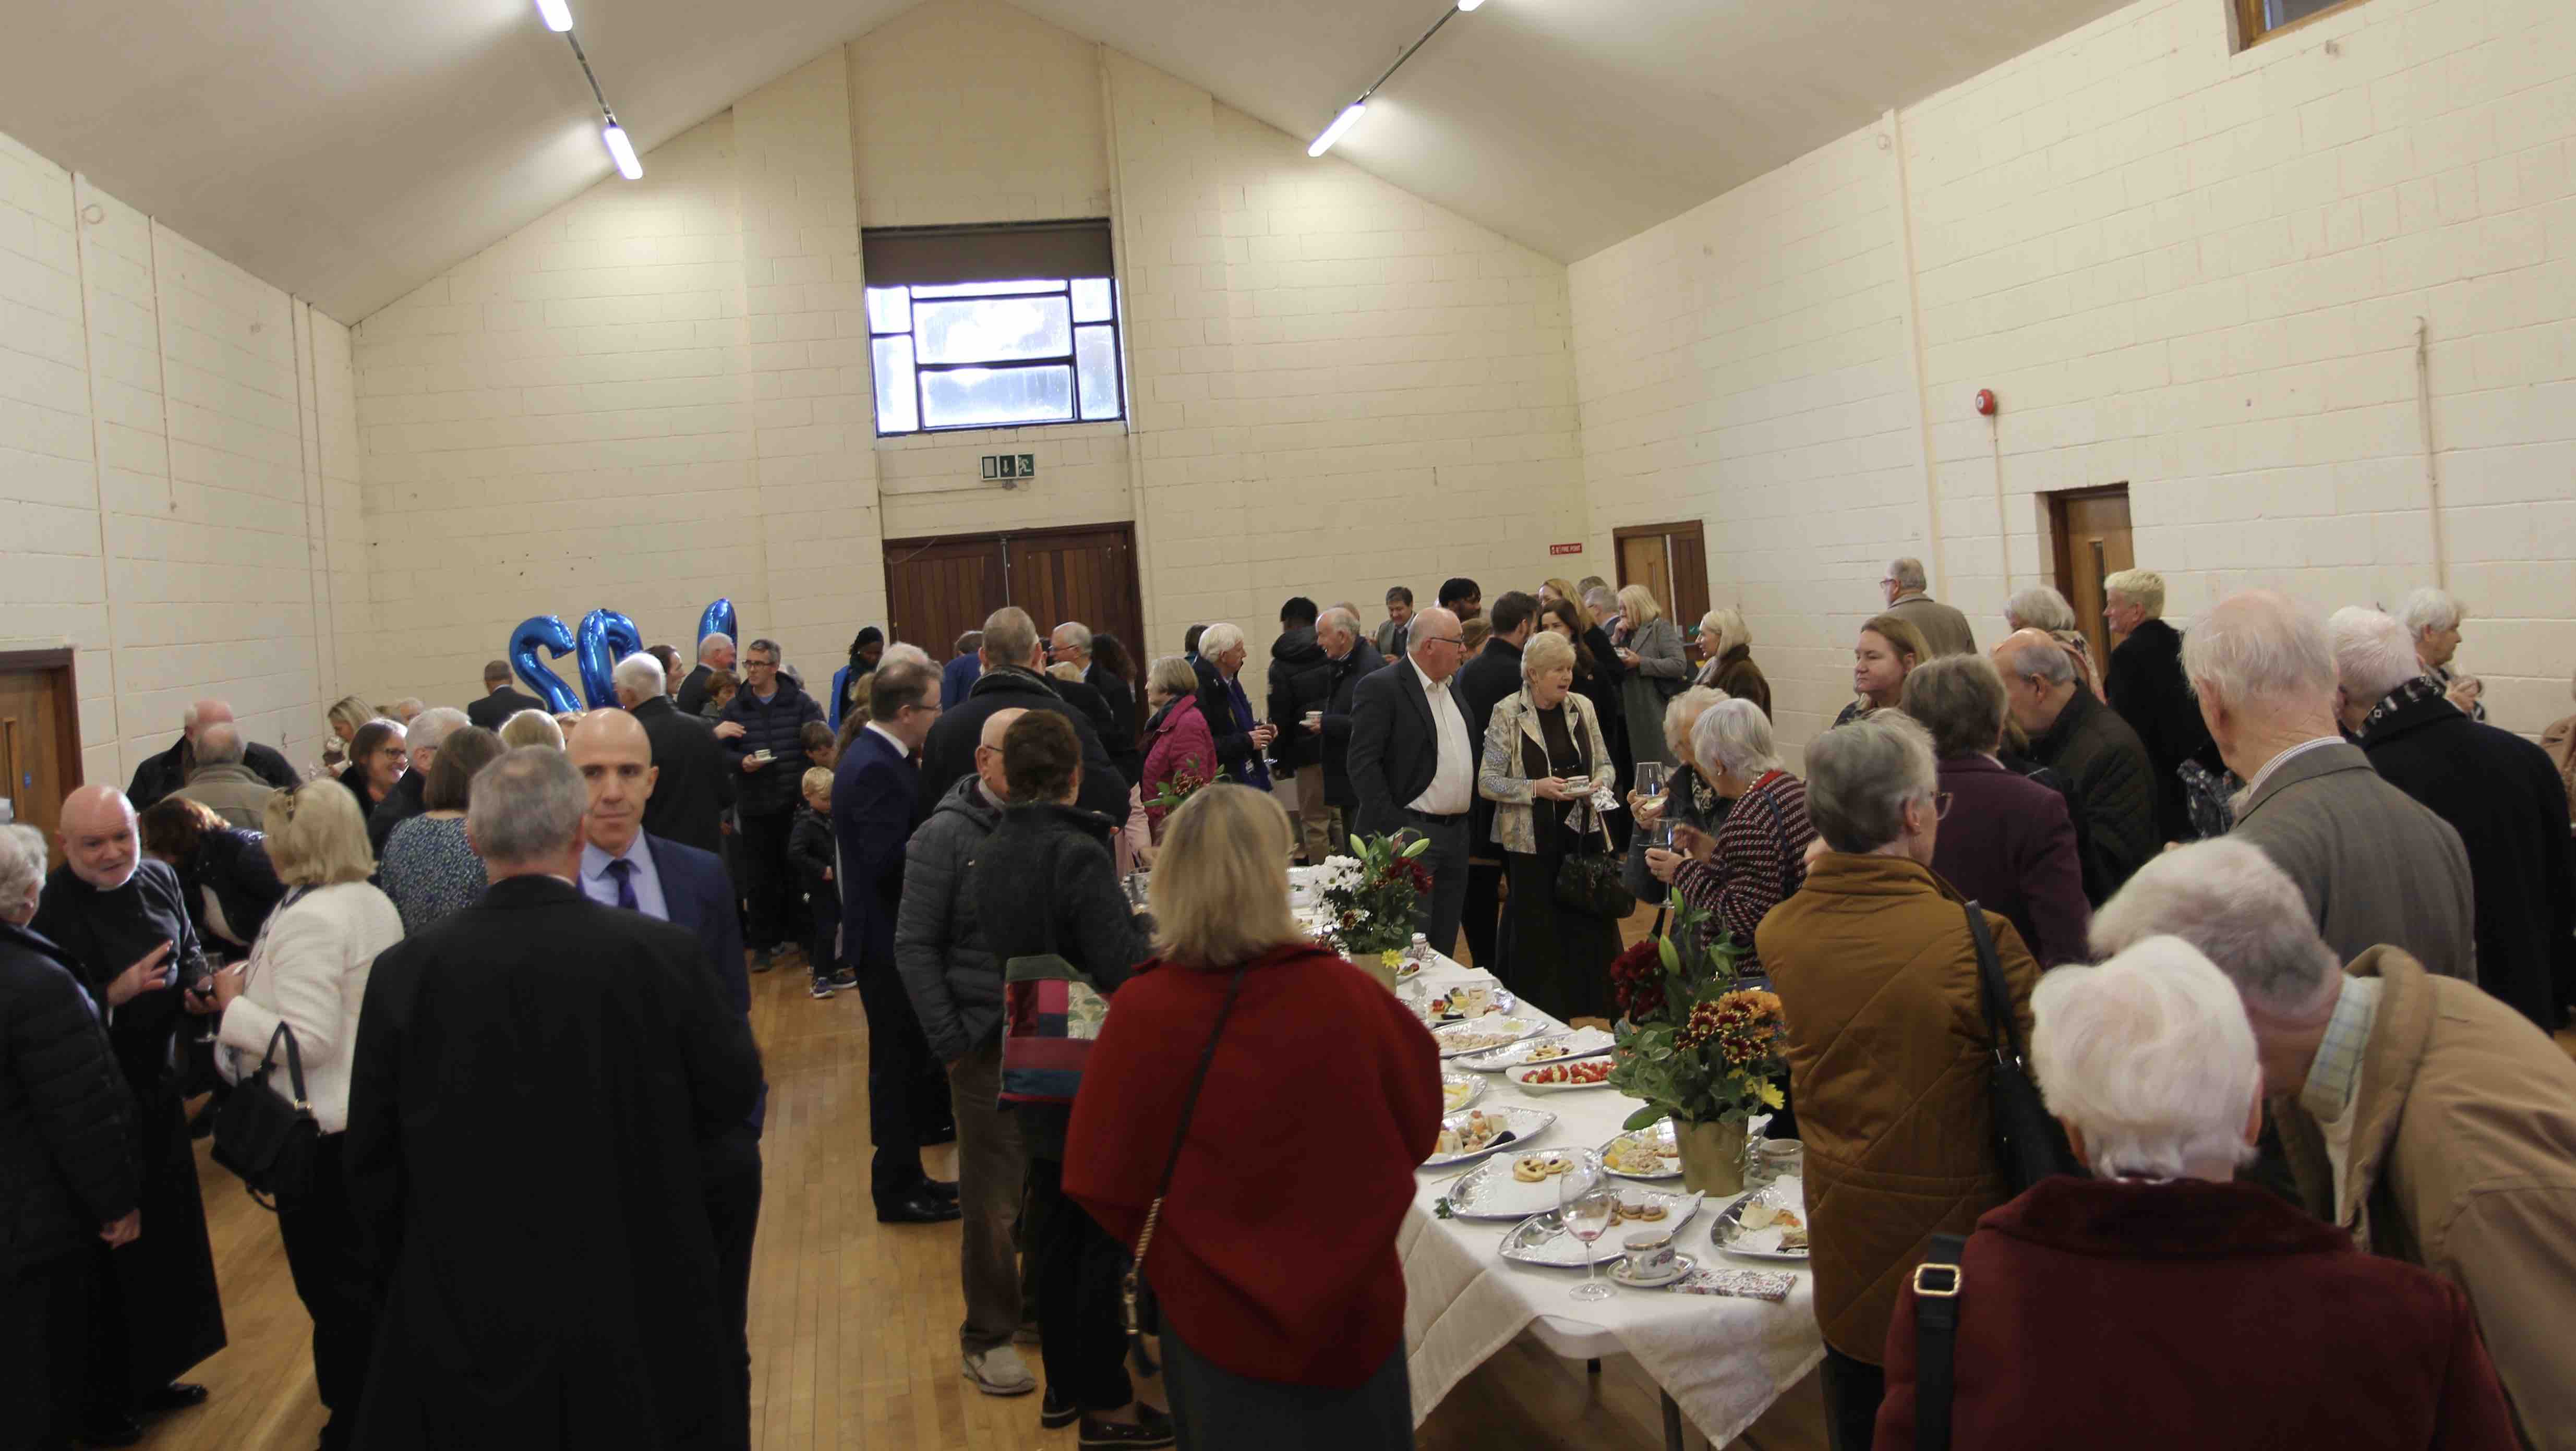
[
  {"x": 875, "y": 801},
  {"x": 1413, "y": 763},
  {"x": 622, "y": 865}
]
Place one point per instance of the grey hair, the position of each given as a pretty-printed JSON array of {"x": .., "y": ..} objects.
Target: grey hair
[
  {"x": 532, "y": 727},
  {"x": 1960, "y": 700},
  {"x": 711, "y": 644},
  {"x": 769, "y": 647},
  {"x": 431, "y": 728},
  {"x": 1601, "y": 601},
  {"x": 2141, "y": 587},
  {"x": 2242, "y": 912},
  {"x": 526, "y": 807},
  {"x": 1736, "y": 735},
  {"x": 2039, "y": 608},
  {"x": 1173, "y": 675},
  {"x": 639, "y": 675},
  {"x": 1339, "y": 617},
  {"x": 1218, "y": 639},
  {"x": 2044, "y": 658},
  {"x": 2260, "y": 646},
  {"x": 899, "y": 651},
  {"x": 1860, "y": 777},
  {"x": 219, "y": 744},
  {"x": 1908, "y": 573},
  {"x": 2430, "y": 609},
  {"x": 2373, "y": 653},
  {"x": 1009, "y": 636},
  {"x": 1687, "y": 706},
  {"x": 1076, "y": 634},
  {"x": 2151, "y": 1057},
  {"x": 22, "y": 862}
]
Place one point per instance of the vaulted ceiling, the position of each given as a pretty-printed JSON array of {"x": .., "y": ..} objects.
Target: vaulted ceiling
[{"x": 349, "y": 153}]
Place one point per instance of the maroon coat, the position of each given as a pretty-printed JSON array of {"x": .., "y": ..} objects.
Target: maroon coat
[
  {"x": 2009, "y": 846},
  {"x": 2124, "y": 1316}
]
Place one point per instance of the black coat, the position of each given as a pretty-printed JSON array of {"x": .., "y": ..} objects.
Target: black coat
[
  {"x": 1348, "y": 672},
  {"x": 2505, "y": 798},
  {"x": 1235, "y": 755},
  {"x": 2145, "y": 683},
  {"x": 234, "y": 863},
  {"x": 401, "y": 804},
  {"x": 160, "y": 775},
  {"x": 2097, "y": 753},
  {"x": 500, "y": 705},
  {"x": 1086, "y": 698},
  {"x": 1395, "y": 747},
  {"x": 694, "y": 779},
  {"x": 66, "y": 1123},
  {"x": 809, "y": 852},
  {"x": 776, "y": 725},
  {"x": 1493, "y": 677},
  {"x": 691, "y": 697},
  {"x": 950, "y": 751},
  {"x": 533, "y": 1082},
  {"x": 1301, "y": 679},
  {"x": 1119, "y": 740},
  {"x": 1044, "y": 882}
]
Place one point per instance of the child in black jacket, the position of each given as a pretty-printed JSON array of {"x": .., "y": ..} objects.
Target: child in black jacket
[{"x": 810, "y": 853}]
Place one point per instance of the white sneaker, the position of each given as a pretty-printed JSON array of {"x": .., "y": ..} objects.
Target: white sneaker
[{"x": 1000, "y": 1372}]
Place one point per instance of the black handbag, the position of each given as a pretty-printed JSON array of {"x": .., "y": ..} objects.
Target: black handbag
[
  {"x": 1588, "y": 881},
  {"x": 2029, "y": 1145},
  {"x": 269, "y": 1140}
]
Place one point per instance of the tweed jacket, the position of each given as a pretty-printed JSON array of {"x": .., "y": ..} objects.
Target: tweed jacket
[
  {"x": 2376, "y": 865},
  {"x": 1945, "y": 630},
  {"x": 1502, "y": 777}
]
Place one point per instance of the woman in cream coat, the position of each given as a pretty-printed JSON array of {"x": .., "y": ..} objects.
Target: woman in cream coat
[
  {"x": 308, "y": 974},
  {"x": 1543, "y": 738}
]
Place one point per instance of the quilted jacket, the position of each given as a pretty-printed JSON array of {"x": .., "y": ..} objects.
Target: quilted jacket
[{"x": 65, "y": 1116}]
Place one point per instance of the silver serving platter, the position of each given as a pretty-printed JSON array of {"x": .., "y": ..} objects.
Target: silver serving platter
[
  {"x": 1663, "y": 1130},
  {"x": 1448, "y": 1034},
  {"x": 1489, "y": 1191},
  {"x": 1728, "y": 1233},
  {"x": 1584, "y": 1043},
  {"x": 1527, "y": 1124},
  {"x": 1470, "y": 1086},
  {"x": 1538, "y": 1240}
]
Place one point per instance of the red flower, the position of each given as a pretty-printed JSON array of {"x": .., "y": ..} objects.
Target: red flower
[{"x": 1637, "y": 979}]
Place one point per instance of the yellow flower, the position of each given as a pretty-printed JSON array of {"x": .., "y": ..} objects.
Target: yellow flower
[
  {"x": 1768, "y": 1092},
  {"x": 1391, "y": 959}
]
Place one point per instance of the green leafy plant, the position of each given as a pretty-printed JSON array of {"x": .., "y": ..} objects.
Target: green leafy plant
[
  {"x": 1178, "y": 787},
  {"x": 1369, "y": 895},
  {"x": 1690, "y": 1042}
]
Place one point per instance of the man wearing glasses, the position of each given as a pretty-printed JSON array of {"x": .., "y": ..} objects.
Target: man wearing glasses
[
  {"x": 1413, "y": 764},
  {"x": 772, "y": 711},
  {"x": 2088, "y": 744}
]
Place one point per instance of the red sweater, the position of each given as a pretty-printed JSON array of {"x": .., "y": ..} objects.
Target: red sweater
[{"x": 1275, "y": 1253}]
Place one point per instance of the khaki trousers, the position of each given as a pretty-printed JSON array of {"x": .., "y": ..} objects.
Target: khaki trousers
[
  {"x": 992, "y": 1170},
  {"x": 1309, "y": 815}
]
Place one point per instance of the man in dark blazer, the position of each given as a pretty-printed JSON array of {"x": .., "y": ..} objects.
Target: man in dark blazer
[
  {"x": 2088, "y": 743},
  {"x": 1483, "y": 683},
  {"x": 500, "y": 699},
  {"x": 1013, "y": 656},
  {"x": 160, "y": 775},
  {"x": 715, "y": 653},
  {"x": 693, "y": 781},
  {"x": 2143, "y": 680},
  {"x": 536, "y": 1087},
  {"x": 1353, "y": 660},
  {"x": 2501, "y": 793},
  {"x": 1413, "y": 764},
  {"x": 875, "y": 801}
]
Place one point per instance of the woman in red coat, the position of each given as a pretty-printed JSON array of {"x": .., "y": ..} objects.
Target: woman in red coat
[
  {"x": 1178, "y": 745},
  {"x": 1273, "y": 1257},
  {"x": 2163, "y": 1303}
]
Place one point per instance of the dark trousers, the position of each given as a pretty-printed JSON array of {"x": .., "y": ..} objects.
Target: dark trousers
[
  {"x": 1853, "y": 1389},
  {"x": 767, "y": 877},
  {"x": 332, "y": 1278},
  {"x": 1482, "y": 914},
  {"x": 1214, "y": 1409},
  {"x": 44, "y": 1350},
  {"x": 1082, "y": 1325},
  {"x": 732, "y": 1162},
  {"x": 823, "y": 901},
  {"x": 1437, "y": 914},
  {"x": 899, "y": 1072}
]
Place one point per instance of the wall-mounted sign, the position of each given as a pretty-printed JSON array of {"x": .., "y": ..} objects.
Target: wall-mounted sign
[{"x": 1565, "y": 549}]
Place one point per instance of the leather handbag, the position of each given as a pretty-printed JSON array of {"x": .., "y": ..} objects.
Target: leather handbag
[
  {"x": 1588, "y": 881},
  {"x": 2029, "y": 1145},
  {"x": 269, "y": 1139}
]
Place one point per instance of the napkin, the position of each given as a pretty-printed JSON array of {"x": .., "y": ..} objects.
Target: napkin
[{"x": 1737, "y": 1283}]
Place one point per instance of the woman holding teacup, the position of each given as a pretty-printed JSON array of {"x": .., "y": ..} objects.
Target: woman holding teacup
[{"x": 1545, "y": 762}]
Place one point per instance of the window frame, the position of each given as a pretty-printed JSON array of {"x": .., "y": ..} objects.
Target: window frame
[
  {"x": 1070, "y": 361},
  {"x": 2251, "y": 31}
]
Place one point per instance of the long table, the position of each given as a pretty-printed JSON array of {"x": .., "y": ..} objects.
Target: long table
[{"x": 1720, "y": 1361}]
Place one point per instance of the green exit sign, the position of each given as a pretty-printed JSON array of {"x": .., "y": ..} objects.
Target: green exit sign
[{"x": 1010, "y": 466}]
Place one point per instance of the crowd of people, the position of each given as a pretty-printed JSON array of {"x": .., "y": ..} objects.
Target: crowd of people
[{"x": 499, "y": 961}]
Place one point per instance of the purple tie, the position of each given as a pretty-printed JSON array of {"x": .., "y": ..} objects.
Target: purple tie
[{"x": 624, "y": 871}]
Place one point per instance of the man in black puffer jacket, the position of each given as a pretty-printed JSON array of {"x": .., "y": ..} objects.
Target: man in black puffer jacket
[
  {"x": 67, "y": 1180},
  {"x": 1301, "y": 679},
  {"x": 770, "y": 753},
  {"x": 1012, "y": 655}
]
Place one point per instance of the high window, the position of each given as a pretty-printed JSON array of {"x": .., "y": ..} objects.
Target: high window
[
  {"x": 993, "y": 327},
  {"x": 2263, "y": 19}
]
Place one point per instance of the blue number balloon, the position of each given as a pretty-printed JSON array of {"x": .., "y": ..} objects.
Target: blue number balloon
[
  {"x": 719, "y": 620},
  {"x": 546, "y": 632},
  {"x": 605, "y": 638}
]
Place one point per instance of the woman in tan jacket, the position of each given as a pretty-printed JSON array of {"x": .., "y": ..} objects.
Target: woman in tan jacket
[{"x": 1888, "y": 1044}]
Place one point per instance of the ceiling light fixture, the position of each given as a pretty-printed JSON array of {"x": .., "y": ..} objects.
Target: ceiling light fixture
[
  {"x": 558, "y": 15},
  {"x": 621, "y": 150},
  {"x": 1351, "y": 113}
]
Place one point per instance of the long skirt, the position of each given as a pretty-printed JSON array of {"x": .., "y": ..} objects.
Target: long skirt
[{"x": 1557, "y": 960}]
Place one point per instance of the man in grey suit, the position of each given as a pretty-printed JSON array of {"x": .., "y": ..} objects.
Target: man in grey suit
[
  {"x": 1944, "y": 628},
  {"x": 2376, "y": 866}
]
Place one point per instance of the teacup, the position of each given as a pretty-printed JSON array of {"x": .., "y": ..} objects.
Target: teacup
[{"x": 1648, "y": 1255}]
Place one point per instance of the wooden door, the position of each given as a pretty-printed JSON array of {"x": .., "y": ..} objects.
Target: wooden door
[
  {"x": 940, "y": 588},
  {"x": 2092, "y": 535},
  {"x": 1671, "y": 561},
  {"x": 40, "y": 760}
]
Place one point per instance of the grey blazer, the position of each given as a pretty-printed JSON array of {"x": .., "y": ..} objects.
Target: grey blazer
[{"x": 2376, "y": 865}]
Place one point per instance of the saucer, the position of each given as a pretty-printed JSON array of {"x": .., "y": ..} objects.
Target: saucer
[{"x": 1681, "y": 1265}]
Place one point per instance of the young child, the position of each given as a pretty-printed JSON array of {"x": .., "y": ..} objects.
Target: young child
[
  {"x": 817, "y": 739},
  {"x": 809, "y": 852}
]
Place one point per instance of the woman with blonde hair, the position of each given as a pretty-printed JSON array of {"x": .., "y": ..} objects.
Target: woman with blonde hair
[
  {"x": 1887, "y": 651},
  {"x": 1726, "y": 642},
  {"x": 1556, "y": 589},
  {"x": 1650, "y": 646},
  {"x": 1270, "y": 1247},
  {"x": 531, "y": 728},
  {"x": 345, "y": 716},
  {"x": 306, "y": 980},
  {"x": 1545, "y": 765}
]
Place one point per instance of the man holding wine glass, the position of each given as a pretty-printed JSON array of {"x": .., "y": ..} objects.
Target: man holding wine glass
[{"x": 1242, "y": 737}]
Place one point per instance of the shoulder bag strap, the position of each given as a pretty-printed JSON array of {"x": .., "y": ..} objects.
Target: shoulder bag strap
[
  {"x": 1937, "y": 1283},
  {"x": 1991, "y": 992},
  {"x": 294, "y": 1065},
  {"x": 1171, "y": 1162}
]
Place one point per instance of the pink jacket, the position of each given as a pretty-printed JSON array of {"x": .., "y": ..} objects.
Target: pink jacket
[{"x": 1177, "y": 744}]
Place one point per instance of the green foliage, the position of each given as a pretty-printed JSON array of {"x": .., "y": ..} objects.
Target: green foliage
[{"x": 1673, "y": 1045}]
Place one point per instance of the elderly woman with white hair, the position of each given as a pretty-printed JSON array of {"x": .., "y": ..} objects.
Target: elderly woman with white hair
[
  {"x": 531, "y": 728},
  {"x": 1689, "y": 799},
  {"x": 1727, "y": 644},
  {"x": 1546, "y": 764},
  {"x": 2432, "y": 618},
  {"x": 1757, "y": 858},
  {"x": 1877, "y": 967},
  {"x": 2243, "y": 1324},
  {"x": 2042, "y": 608}
]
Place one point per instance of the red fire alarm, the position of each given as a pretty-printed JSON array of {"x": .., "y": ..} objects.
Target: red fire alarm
[{"x": 1986, "y": 404}]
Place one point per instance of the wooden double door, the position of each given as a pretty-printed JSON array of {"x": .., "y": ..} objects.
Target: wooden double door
[
  {"x": 1671, "y": 561},
  {"x": 939, "y": 588}
]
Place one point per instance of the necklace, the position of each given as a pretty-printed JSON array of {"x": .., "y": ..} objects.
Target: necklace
[{"x": 1703, "y": 795}]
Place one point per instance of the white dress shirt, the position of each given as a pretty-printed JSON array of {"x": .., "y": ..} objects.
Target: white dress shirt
[
  {"x": 2283, "y": 759},
  {"x": 1453, "y": 784},
  {"x": 600, "y": 887}
]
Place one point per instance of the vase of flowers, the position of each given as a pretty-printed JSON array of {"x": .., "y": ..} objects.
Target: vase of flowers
[
  {"x": 1695, "y": 1046},
  {"x": 1368, "y": 901}
]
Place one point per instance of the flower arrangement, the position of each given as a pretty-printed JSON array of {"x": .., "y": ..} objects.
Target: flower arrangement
[
  {"x": 1178, "y": 787},
  {"x": 1691, "y": 1043},
  {"x": 1369, "y": 895}
]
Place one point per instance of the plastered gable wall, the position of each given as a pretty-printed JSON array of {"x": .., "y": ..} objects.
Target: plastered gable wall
[{"x": 177, "y": 474}]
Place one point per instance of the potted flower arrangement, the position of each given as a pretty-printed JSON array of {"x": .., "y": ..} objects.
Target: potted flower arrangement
[
  {"x": 1368, "y": 902},
  {"x": 1695, "y": 1046}
]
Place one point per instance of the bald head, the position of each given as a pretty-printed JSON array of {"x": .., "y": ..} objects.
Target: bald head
[
  {"x": 988, "y": 752},
  {"x": 2039, "y": 678},
  {"x": 615, "y": 759},
  {"x": 219, "y": 744},
  {"x": 203, "y": 713},
  {"x": 98, "y": 837},
  {"x": 1434, "y": 643}
]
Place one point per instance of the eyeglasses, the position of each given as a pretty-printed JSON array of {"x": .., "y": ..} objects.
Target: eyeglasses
[
  {"x": 1444, "y": 640},
  {"x": 1941, "y": 804},
  {"x": 760, "y": 665}
]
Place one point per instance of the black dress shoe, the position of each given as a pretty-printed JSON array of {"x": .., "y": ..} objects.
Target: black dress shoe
[
  {"x": 1057, "y": 1410},
  {"x": 916, "y": 1208},
  {"x": 178, "y": 1395},
  {"x": 110, "y": 1431},
  {"x": 1152, "y": 1428},
  {"x": 940, "y": 1189}
]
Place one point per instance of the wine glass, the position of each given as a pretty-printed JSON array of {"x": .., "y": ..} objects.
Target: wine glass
[{"x": 1584, "y": 1205}]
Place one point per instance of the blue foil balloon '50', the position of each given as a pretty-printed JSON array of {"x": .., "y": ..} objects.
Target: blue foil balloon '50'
[
  {"x": 545, "y": 632},
  {"x": 605, "y": 638},
  {"x": 719, "y": 620}
]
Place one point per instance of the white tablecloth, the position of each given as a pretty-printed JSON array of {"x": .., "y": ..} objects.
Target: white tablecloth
[{"x": 1722, "y": 1360}]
